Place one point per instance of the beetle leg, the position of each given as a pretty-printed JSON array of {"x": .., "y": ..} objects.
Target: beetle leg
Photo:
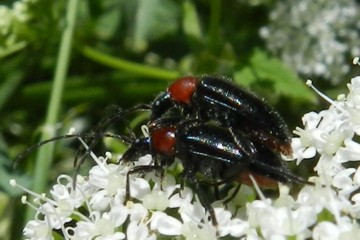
[
  {"x": 161, "y": 105},
  {"x": 162, "y": 161},
  {"x": 182, "y": 185},
  {"x": 138, "y": 148},
  {"x": 136, "y": 170},
  {"x": 216, "y": 192},
  {"x": 190, "y": 177},
  {"x": 161, "y": 180},
  {"x": 233, "y": 195}
]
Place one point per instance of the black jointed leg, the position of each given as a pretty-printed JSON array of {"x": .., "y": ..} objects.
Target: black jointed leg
[{"x": 140, "y": 170}]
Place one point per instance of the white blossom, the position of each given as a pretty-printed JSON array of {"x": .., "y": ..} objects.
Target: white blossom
[{"x": 314, "y": 37}]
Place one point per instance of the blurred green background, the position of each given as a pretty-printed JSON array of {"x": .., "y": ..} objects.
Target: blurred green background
[{"x": 107, "y": 52}]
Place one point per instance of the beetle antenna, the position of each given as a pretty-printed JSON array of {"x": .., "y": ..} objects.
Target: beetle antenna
[
  {"x": 30, "y": 149},
  {"x": 97, "y": 132}
]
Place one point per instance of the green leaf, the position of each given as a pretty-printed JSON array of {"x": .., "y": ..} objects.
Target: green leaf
[
  {"x": 108, "y": 23},
  {"x": 154, "y": 19},
  {"x": 8, "y": 86},
  {"x": 7, "y": 173},
  {"x": 15, "y": 47},
  {"x": 191, "y": 24},
  {"x": 284, "y": 82}
]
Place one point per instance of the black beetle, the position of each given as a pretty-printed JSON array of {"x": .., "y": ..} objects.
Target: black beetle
[{"x": 209, "y": 154}]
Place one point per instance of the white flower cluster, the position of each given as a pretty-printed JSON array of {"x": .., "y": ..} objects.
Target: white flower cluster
[
  {"x": 315, "y": 37},
  {"x": 10, "y": 20},
  {"x": 334, "y": 135},
  {"x": 96, "y": 209},
  {"x": 330, "y": 209}
]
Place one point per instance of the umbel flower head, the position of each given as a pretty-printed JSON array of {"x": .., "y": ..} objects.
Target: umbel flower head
[
  {"x": 330, "y": 209},
  {"x": 97, "y": 209},
  {"x": 314, "y": 37}
]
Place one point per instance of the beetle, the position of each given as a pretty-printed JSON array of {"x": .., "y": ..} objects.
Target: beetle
[
  {"x": 211, "y": 98},
  {"x": 209, "y": 155}
]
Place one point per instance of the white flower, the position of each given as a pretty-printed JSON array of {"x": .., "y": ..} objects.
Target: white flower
[
  {"x": 323, "y": 34},
  {"x": 344, "y": 182},
  {"x": 194, "y": 231},
  {"x": 38, "y": 229},
  {"x": 281, "y": 221},
  {"x": 139, "y": 231},
  {"x": 5, "y": 20},
  {"x": 13, "y": 22},
  {"x": 230, "y": 226},
  {"x": 326, "y": 231},
  {"x": 165, "y": 224},
  {"x": 102, "y": 226},
  {"x": 20, "y": 11}
]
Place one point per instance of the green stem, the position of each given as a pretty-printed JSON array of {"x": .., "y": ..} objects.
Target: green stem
[
  {"x": 45, "y": 154},
  {"x": 129, "y": 66},
  {"x": 214, "y": 25}
]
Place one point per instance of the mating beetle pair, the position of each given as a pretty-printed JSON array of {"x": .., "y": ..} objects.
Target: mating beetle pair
[
  {"x": 222, "y": 134},
  {"x": 212, "y": 98}
]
